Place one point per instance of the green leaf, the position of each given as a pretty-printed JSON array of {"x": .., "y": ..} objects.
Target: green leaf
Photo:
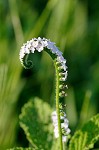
[
  {"x": 85, "y": 138},
  {"x": 36, "y": 122},
  {"x": 21, "y": 148}
]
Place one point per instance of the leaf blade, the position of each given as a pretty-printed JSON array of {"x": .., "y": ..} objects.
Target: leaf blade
[
  {"x": 36, "y": 122},
  {"x": 85, "y": 138}
]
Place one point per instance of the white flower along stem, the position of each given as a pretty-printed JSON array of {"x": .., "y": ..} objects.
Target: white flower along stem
[{"x": 60, "y": 122}]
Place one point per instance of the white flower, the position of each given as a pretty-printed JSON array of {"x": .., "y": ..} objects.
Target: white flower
[
  {"x": 53, "y": 48},
  {"x": 40, "y": 47},
  {"x": 62, "y": 117},
  {"x": 56, "y": 133},
  {"x": 25, "y": 49},
  {"x": 59, "y": 53},
  {"x": 28, "y": 44},
  {"x": 61, "y": 59},
  {"x": 39, "y": 39},
  {"x": 35, "y": 44},
  {"x": 50, "y": 45},
  {"x": 54, "y": 118},
  {"x": 64, "y": 125},
  {"x": 64, "y": 138},
  {"x": 66, "y": 121},
  {"x": 23, "y": 52},
  {"x": 54, "y": 113},
  {"x": 32, "y": 49},
  {"x": 40, "y": 44},
  {"x": 68, "y": 131},
  {"x": 44, "y": 43}
]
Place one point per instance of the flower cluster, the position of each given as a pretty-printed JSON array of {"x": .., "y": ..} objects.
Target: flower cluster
[
  {"x": 39, "y": 44},
  {"x": 64, "y": 125}
]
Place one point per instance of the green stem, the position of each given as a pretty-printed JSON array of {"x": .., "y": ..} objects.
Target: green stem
[
  {"x": 57, "y": 107},
  {"x": 64, "y": 146}
]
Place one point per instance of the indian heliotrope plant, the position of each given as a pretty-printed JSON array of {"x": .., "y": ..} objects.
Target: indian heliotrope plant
[
  {"x": 36, "y": 118},
  {"x": 60, "y": 122}
]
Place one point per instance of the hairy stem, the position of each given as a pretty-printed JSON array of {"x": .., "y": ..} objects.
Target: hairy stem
[
  {"x": 57, "y": 107},
  {"x": 64, "y": 146}
]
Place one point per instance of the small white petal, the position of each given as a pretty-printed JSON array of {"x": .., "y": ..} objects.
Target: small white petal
[
  {"x": 40, "y": 48},
  {"x": 59, "y": 53},
  {"x": 54, "y": 120},
  {"x": 35, "y": 44},
  {"x": 44, "y": 43},
  {"x": 21, "y": 55},
  {"x": 28, "y": 44},
  {"x": 54, "y": 112},
  {"x": 54, "y": 49},
  {"x": 64, "y": 125},
  {"x": 39, "y": 39},
  {"x": 50, "y": 45},
  {"x": 68, "y": 131},
  {"x": 55, "y": 124},
  {"x": 56, "y": 133},
  {"x": 64, "y": 138},
  {"x": 32, "y": 49},
  {"x": 66, "y": 121}
]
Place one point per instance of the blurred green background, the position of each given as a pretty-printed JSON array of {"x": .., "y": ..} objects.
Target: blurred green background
[{"x": 74, "y": 26}]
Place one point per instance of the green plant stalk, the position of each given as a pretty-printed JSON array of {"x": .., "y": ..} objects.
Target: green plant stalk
[
  {"x": 64, "y": 146},
  {"x": 57, "y": 107}
]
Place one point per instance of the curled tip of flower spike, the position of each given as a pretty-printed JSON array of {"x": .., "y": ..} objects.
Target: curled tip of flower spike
[
  {"x": 40, "y": 44},
  {"x": 28, "y": 64}
]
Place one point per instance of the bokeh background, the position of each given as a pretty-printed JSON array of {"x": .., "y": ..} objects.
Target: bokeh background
[{"x": 74, "y": 26}]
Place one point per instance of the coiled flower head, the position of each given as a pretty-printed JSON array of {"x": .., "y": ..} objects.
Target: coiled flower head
[{"x": 39, "y": 45}]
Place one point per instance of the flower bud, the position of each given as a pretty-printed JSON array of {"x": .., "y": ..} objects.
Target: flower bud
[
  {"x": 62, "y": 94},
  {"x": 62, "y": 86}
]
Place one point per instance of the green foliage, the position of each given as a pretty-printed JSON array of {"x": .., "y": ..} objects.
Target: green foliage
[
  {"x": 21, "y": 148},
  {"x": 36, "y": 122},
  {"x": 85, "y": 138},
  {"x": 10, "y": 87},
  {"x": 73, "y": 25}
]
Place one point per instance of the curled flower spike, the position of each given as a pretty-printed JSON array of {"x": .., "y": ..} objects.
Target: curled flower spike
[
  {"x": 40, "y": 44},
  {"x": 60, "y": 122}
]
